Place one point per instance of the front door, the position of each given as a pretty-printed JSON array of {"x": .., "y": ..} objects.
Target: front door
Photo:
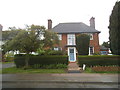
[{"x": 72, "y": 54}]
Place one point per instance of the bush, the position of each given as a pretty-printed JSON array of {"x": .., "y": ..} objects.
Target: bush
[
  {"x": 51, "y": 66},
  {"x": 53, "y": 52},
  {"x": 82, "y": 44},
  {"x": 23, "y": 55},
  {"x": 41, "y": 60},
  {"x": 9, "y": 57},
  {"x": 98, "y": 60}
]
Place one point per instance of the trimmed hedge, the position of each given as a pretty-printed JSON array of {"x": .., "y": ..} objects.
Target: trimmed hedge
[
  {"x": 99, "y": 60},
  {"x": 42, "y": 60}
]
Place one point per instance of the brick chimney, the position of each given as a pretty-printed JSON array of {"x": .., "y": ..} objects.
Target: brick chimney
[
  {"x": 1, "y": 27},
  {"x": 49, "y": 24},
  {"x": 92, "y": 22}
]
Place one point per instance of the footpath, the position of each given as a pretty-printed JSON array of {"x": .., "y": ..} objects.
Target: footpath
[{"x": 69, "y": 80}]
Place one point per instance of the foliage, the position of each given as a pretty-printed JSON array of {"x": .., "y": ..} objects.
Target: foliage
[
  {"x": 9, "y": 57},
  {"x": 53, "y": 52},
  {"x": 114, "y": 29},
  {"x": 26, "y": 41},
  {"x": 50, "y": 66},
  {"x": 9, "y": 34},
  {"x": 82, "y": 44},
  {"x": 98, "y": 60},
  {"x": 51, "y": 39},
  {"x": 41, "y": 60},
  {"x": 106, "y": 44}
]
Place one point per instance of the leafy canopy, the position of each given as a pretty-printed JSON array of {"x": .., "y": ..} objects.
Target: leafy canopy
[{"x": 114, "y": 29}]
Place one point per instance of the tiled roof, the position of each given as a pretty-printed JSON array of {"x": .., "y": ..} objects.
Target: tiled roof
[{"x": 74, "y": 28}]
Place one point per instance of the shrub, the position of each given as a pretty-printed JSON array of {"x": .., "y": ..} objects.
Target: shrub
[
  {"x": 42, "y": 60},
  {"x": 82, "y": 44},
  {"x": 98, "y": 60},
  {"x": 53, "y": 52},
  {"x": 9, "y": 57}
]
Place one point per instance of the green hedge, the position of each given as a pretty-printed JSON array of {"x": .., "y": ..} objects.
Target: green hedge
[
  {"x": 99, "y": 60},
  {"x": 42, "y": 60}
]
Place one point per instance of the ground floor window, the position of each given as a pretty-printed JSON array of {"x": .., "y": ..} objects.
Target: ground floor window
[
  {"x": 57, "y": 48},
  {"x": 91, "y": 50}
]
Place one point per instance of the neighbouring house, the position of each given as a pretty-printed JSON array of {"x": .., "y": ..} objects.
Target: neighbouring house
[
  {"x": 1, "y": 27},
  {"x": 104, "y": 50},
  {"x": 67, "y": 34}
]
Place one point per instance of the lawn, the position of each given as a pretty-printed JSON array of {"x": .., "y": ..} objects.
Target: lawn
[{"x": 14, "y": 70}]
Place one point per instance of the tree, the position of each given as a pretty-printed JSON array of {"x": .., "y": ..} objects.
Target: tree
[
  {"x": 114, "y": 29},
  {"x": 82, "y": 44},
  {"x": 106, "y": 44},
  {"x": 26, "y": 41},
  {"x": 9, "y": 34},
  {"x": 50, "y": 39},
  {"x": 29, "y": 40}
]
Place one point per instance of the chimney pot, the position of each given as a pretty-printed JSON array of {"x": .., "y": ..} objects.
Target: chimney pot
[
  {"x": 49, "y": 24},
  {"x": 92, "y": 22}
]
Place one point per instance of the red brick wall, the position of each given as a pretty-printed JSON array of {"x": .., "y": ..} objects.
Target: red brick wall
[
  {"x": 63, "y": 42},
  {"x": 94, "y": 42}
]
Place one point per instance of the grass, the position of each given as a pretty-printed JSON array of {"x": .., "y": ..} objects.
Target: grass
[
  {"x": 14, "y": 70},
  {"x": 7, "y": 62},
  {"x": 89, "y": 70}
]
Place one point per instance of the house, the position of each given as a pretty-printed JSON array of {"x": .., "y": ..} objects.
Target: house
[
  {"x": 1, "y": 27},
  {"x": 67, "y": 33},
  {"x": 104, "y": 50}
]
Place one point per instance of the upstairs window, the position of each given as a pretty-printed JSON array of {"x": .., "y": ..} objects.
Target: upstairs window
[
  {"x": 71, "y": 39},
  {"x": 91, "y": 36},
  {"x": 60, "y": 36}
]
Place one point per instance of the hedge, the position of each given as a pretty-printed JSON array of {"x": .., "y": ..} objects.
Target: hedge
[
  {"x": 99, "y": 60},
  {"x": 42, "y": 60}
]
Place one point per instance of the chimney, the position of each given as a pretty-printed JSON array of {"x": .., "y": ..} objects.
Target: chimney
[
  {"x": 92, "y": 22},
  {"x": 49, "y": 24},
  {"x": 1, "y": 27}
]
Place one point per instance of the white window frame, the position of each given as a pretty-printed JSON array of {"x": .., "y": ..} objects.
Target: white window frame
[
  {"x": 91, "y": 36},
  {"x": 70, "y": 39},
  {"x": 60, "y": 36},
  {"x": 56, "y": 48},
  {"x": 89, "y": 51}
]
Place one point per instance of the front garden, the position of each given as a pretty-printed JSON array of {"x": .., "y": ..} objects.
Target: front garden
[{"x": 100, "y": 63}]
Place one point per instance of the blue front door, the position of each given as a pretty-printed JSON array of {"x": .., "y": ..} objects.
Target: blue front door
[{"x": 71, "y": 54}]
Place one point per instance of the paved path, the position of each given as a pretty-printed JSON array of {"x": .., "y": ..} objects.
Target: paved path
[
  {"x": 7, "y": 65},
  {"x": 75, "y": 80}
]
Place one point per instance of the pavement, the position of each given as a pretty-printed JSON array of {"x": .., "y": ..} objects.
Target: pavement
[
  {"x": 7, "y": 65},
  {"x": 68, "y": 80}
]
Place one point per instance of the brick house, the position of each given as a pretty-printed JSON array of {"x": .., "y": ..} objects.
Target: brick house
[{"x": 67, "y": 33}]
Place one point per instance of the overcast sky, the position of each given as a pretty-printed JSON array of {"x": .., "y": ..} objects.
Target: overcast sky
[{"x": 20, "y": 12}]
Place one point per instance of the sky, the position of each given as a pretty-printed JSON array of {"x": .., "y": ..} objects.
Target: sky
[{"x": 18, "y": 13}]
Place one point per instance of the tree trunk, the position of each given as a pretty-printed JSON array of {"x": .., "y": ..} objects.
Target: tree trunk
[{"x": 26, "y": 61}]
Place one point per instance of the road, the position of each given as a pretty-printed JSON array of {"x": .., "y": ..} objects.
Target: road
[{"x": 73, "y": 80}]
